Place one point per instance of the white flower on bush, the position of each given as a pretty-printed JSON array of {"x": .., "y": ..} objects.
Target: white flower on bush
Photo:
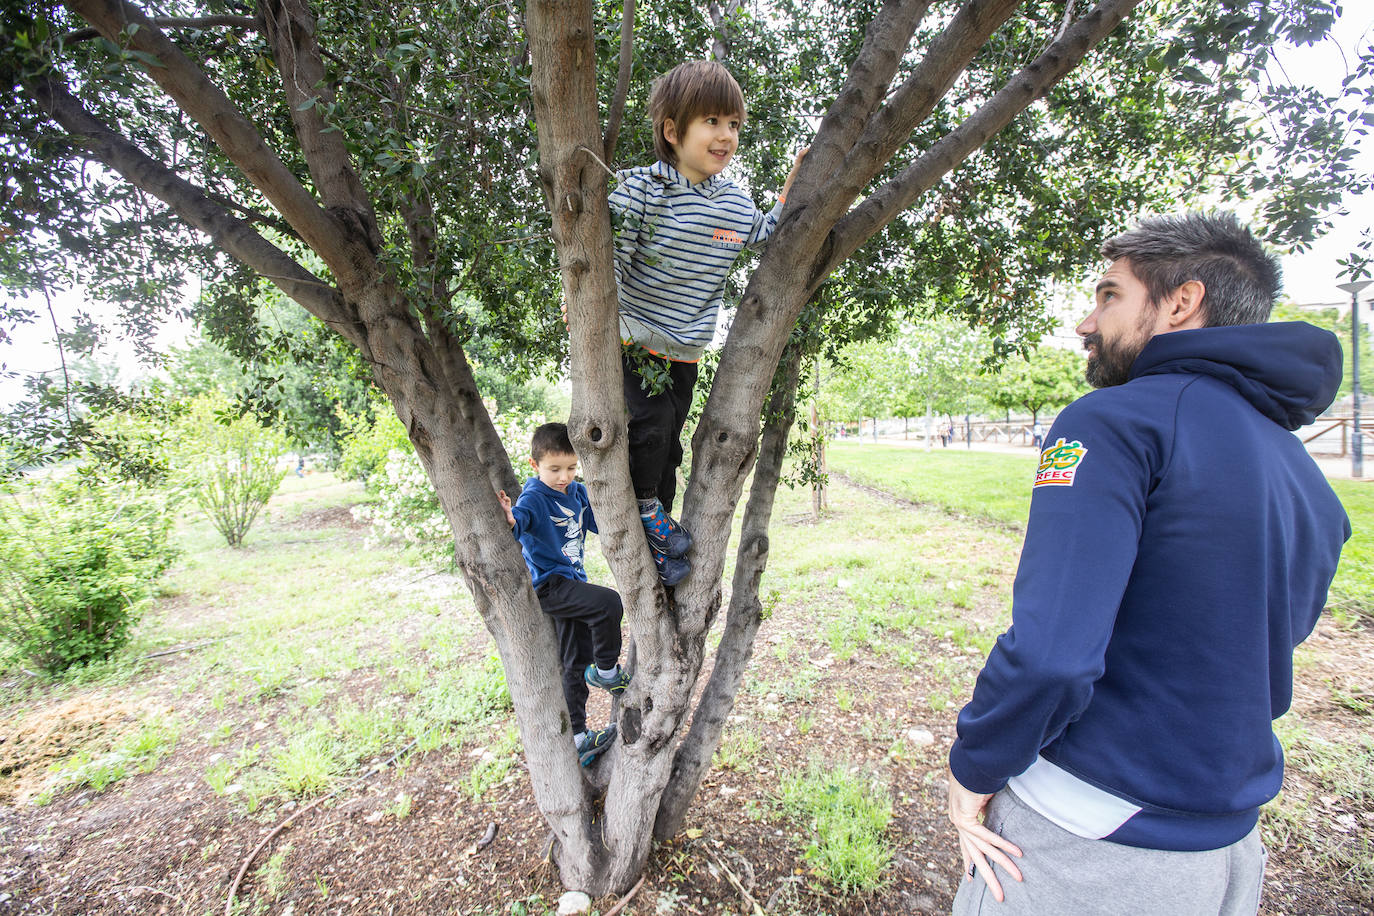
[{"x": 407, "y": 508}]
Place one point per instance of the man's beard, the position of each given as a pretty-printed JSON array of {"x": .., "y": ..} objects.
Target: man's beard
[{"x": 1110, "y": 364}]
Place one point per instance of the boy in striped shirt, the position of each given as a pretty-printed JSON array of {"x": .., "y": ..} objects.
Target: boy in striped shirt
[{"x": 680, "y": 226}]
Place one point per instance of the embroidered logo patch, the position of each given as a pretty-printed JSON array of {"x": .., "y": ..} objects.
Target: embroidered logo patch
[{"x": 1059, "y": 464}]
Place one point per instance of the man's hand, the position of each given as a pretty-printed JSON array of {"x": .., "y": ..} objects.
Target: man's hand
[
  {"x": 504, "y": 500},
  {"x": 977, "y": 843}
]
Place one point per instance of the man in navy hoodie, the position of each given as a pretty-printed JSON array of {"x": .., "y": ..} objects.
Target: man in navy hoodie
[{"x": 1180, "y": 544}]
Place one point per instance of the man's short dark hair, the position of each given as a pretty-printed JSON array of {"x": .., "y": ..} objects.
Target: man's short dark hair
[
  {"x": 550, "y": 439},
  {"x": 691, "y": 90},
  {"x": 1242, "y": 280}
]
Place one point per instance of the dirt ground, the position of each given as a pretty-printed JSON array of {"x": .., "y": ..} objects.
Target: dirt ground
[{"x": 163, "y": 843}]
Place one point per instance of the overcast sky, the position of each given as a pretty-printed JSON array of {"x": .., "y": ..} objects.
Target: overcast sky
[{"x": 1311, "y": 277}]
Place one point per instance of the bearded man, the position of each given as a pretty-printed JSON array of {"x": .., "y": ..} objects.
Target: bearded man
[{"x": 1181, "y": 542}]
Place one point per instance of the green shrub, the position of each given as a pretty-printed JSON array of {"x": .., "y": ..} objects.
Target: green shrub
[
  {"x": 78, "y": 560},
  {"x": 230, "y": 464},
  {"x": 368, "y": 441}
]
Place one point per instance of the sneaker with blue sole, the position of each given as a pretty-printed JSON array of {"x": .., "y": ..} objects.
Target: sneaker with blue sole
[
  {"x": 666, "y": 535},
  {"x": 594, "y": 743},
  {"x": 615, "y": 684}
]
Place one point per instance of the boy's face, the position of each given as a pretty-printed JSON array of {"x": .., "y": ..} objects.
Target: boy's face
[
  {"x": 706, "y": 146},
  {"x": 555, "y": 470}
]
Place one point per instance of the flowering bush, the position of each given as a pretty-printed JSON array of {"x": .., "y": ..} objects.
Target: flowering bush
[{"x": 407, "y": 508}]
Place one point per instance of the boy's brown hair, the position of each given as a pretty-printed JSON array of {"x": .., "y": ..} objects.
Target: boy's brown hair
[
  {"x": 551, "y": 439},
  {"x": 691, "y": 90}
]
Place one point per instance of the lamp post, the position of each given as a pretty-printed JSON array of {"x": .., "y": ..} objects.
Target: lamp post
[{"x": 1357, "y": 455}]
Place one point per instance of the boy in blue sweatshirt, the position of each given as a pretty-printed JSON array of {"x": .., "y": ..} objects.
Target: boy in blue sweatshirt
[
  {"x": 680, "y": 226},
  {"x": 551, "y": 518}
]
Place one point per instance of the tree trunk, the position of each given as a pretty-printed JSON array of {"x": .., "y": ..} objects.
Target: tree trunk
[{"x": 745, "y": 612}]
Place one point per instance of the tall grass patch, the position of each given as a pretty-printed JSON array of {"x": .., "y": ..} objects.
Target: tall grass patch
[
  {"x": 139, "y": 751},
  {"x": 846, "y": 816}
]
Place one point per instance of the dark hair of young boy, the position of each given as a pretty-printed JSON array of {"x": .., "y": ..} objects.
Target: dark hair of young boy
[
  {"x": 691, "y": 90},
  {"x": 551, "y": 439}
]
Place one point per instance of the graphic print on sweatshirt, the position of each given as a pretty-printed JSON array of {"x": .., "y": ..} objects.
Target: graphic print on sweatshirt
[{"x": 571, "y": 523}]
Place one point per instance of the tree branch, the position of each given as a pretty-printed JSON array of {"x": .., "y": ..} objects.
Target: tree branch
[
  {"x": 291, "y": 31},
  {"x": 622, "y": 80},
  {"x": 173, "y": 22},
  {"x": 1032, "y": 82},
  {"x": 719, "y": 21},
  {"x": 240, "y": 140},
  {"x": 863, "y": 91},
  {"x": 256, "y": 216},
  {"x": 459, "y": 382},
  {"x": 234, "y": 236},
  {"x": 473, "y": 413},
  {"x": 946, "y": 57}
]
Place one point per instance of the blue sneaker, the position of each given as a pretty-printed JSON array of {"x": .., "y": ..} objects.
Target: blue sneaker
[
  {"x": 615, "y": 684},
  {"x": 594, "y": 744},
  {"x": 671, "y": 570},
  {"x": 666, "y": 535}
]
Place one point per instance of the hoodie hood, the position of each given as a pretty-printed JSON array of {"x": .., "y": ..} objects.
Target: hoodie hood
[
  {"x": 668, "y": 175},
  {"x": 1289, "y": 371},
  {"x": 535, "y": 485}
]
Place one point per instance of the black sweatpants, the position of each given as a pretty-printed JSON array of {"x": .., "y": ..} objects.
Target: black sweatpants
[
  {"x": 586, "y": 618},
  {"x": 656, "y": 423}
]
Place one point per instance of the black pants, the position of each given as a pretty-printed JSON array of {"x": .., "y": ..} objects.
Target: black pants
[
  {"x": 656, "y": 423},
  {"x": 586, "y": 618}
]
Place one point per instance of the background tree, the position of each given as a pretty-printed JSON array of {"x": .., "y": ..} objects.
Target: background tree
[
  {"x": 942, "y": 360},
  {"x": 231, "y": 465},
  {"x": 376, "y": 173},
  {"x": 1044, "y": 380},
  {"x": 925, "y": 368}
]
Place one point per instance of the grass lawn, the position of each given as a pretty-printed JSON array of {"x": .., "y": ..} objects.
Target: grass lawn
[
  {"x": 991, "y": 485},
  {"x": 996, "y": 486},
  {"x": 1353, "y": 590}
]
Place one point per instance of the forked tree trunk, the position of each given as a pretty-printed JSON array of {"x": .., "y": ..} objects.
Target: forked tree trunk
[
  {"x": 652, "y": 780},
  {"x": 422, "y": 368}
]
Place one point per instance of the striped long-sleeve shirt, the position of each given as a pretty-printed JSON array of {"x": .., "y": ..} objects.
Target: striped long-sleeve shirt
[{"x": 675, "y": 244}]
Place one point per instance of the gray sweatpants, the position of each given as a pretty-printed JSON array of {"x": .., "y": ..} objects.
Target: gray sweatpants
[{"x": 1067, "y": 875}]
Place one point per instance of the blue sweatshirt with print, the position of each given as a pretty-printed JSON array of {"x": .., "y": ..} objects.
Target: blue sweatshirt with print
[
  {"x": 1180, "y": 545},
  {"x": 552, "y": 529}
]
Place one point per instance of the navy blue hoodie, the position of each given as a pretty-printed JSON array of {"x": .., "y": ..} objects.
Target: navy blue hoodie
[
  {"x": 552, "y": 528},
  {"x": 1180, "y": 545}
]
